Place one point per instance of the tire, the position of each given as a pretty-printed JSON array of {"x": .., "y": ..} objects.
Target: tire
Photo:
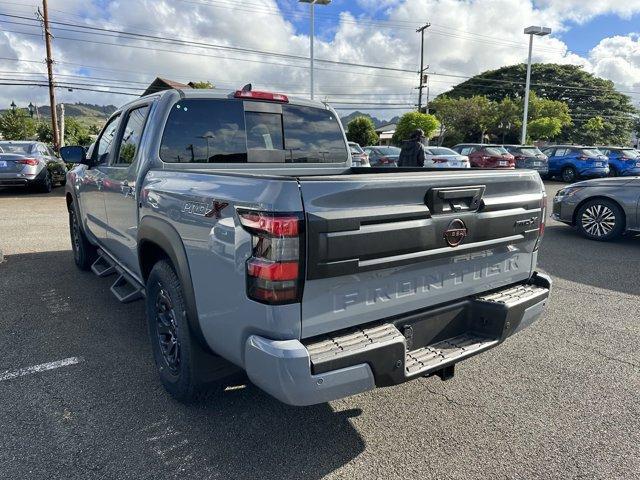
[
  {"x": 187, "y": 372},
  {"x": 63, "y": 182},
  {"x": 84, "y": 253},
  {"x": 600, "y": 220},
  {"x": 612, "y": 171},
  {"x": 569, "y": 175},
  {"x": 46, "y": 184}
]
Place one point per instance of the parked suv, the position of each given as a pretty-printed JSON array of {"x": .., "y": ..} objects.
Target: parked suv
[
  {"x": 529, "y": 156},
  {"x": 623, "y": 161},
  {"x": 571, "y": 162},
  {"x": 486, "y": 156},
  {"x": 30, "y": 164}
]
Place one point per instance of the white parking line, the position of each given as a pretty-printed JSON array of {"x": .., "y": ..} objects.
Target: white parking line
[{"x": 43, "y": 367}]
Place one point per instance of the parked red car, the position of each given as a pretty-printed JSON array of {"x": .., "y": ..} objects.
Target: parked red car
[{"x": 486, "y": 156}]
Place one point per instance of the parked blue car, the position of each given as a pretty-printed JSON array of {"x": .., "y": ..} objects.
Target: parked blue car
[
  {"x": 623, "y": 161},
  {"x": 571, "y": 162}
]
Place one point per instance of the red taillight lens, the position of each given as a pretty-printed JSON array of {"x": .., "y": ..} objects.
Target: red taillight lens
[
  {"x": 28, "y": 161},
  {"x": 439, "y": 160},
  {"x": 275, "y": 268},
  {"x": 543, "y": 219},
  {"x": 257, "y": 95}
]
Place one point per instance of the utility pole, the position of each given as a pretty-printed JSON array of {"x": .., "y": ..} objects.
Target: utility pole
[
  {"x": 422, "y": 69},
  {"x": 52, "y": 96}
]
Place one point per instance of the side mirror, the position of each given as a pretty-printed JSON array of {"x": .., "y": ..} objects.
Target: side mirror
[{"x": 74, "y": 154}]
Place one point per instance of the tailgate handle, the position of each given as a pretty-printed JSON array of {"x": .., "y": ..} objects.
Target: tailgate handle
[{"x": 454, "y": 199}]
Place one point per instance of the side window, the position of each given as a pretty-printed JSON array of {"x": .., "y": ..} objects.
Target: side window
[
  {"x": 465, "y": 151},
  {"x": 561, "y": 152},
  {"x": 105, "y": 142},
  {"x": 131, "y": 136}
]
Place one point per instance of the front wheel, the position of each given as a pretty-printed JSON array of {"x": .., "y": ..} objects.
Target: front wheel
[
  {"x": 601, "y": 220},
  {"x": 84, "y": 253},
  {"x": 569, "y": 174},
  {"x": 186, "y": 370}
]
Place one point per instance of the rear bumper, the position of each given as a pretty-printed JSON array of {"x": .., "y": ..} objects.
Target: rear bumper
[
  {"x": 397, "y": 350},
  {"x": 21, "y": 179}
]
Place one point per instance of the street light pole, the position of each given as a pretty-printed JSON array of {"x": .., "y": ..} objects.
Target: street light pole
[
  {"x": 312, "y": 4},
  {"x": 531, "y": 31}
]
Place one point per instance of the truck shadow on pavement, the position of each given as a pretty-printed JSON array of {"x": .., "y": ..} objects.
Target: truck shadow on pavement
[
  {"x": 565, "y": 254},
  {"x": 117, "y": 416}
]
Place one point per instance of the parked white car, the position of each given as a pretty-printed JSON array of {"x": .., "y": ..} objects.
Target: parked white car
[{"x": 442, "y": 157}]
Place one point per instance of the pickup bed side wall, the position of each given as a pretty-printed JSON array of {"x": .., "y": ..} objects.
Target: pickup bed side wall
[{"x": 201, "y": 209}]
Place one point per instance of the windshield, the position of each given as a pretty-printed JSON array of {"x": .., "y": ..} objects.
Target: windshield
[
  {"x": 591, "y": 152},
  {"x": 355, "y": 148},
  {"x": 531, "y": 151},
  {"x": 19, "y": 148},
  {"x": 630, "y": 153},
  {"x": 389, "y": 150},
  {"x": 494, "y": 150},
  {"x": 440, "y": 151},
  {"x": 500, "y": 149},
  {"x": 221, "y": 131}
]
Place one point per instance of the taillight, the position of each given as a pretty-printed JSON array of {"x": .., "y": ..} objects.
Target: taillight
[
  {"x": 275, "y": 268},
  {"x": 439, "y": 160},
  {"x": 583, "y": 157},
  {"x": 543, "y": 219},
  {"x": 384, "y": 160},
  {"x": 28, "y": 161}
]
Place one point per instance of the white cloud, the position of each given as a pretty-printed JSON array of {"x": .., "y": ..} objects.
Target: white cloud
[{"x": 466, "y": 37}]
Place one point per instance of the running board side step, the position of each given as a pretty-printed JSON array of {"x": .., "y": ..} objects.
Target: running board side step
[
  {"x": 126, "y": 289},
  {"x": 102, "y": 267}
]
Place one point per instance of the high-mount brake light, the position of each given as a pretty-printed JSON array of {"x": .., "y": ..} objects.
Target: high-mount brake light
[
  {"x": 28, "y": 161},
  {"x": 275, "y": 269},
  {"x": 258, "y": 95}
]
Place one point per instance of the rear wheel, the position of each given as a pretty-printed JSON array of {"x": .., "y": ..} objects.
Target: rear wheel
[
  {"x": 84, "y": 253},
  {"x": 569, "y": 174},
  {"x": 186, "y": 370},
  {"x": 46, "y": 184},
  {"x": 601, "y": 220}
]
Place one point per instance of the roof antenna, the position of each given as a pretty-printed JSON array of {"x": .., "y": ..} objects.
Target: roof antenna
[{"x": 246, "y": 88}]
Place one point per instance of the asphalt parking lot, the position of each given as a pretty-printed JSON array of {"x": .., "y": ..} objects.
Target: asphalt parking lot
[{"x": 560, "y": 400}]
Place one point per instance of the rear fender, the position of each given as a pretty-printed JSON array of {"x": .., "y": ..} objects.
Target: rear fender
[{"x": 156, "y": 233}]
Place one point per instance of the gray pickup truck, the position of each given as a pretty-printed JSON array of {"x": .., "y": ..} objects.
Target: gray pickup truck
[{"x": 257, "y": 247}]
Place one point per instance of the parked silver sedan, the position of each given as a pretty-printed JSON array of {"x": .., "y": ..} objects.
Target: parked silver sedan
[
  {"x": 442, "y": 157},
  {"x": 30, "y": 164},
  {"x": 600, "y": 209}
]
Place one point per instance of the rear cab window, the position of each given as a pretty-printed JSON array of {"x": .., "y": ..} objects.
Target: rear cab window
[{"x": 201, "y": 130}]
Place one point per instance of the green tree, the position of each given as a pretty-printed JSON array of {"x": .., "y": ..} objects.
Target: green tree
[
  {"x": 362, "y": 131},
  {"x": 412, "y": 121},
  {"x": 44, "y": 132},
  {"x": 17, "y": 125},
  {"x": 544, "y": 128},
  {"x": 76, "y": 133},
  {"x": 583, "y": 93},
  {"x": 594, "y": 130},
  {"x": 507, "y": 120},
  {"x": 201, "y": 84}
]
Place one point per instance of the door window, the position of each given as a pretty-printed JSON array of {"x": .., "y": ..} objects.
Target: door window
[
  {"x": 131, "y": 136},
  {"x": 561, "y": 152},
  {"x": 105, "y": 143}
]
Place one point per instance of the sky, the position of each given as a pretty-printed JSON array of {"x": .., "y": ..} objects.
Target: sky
[{"x": 464, "y": 39}]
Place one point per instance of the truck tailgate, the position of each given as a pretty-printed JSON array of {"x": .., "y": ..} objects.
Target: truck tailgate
[{"x": 383, "y": 245}]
